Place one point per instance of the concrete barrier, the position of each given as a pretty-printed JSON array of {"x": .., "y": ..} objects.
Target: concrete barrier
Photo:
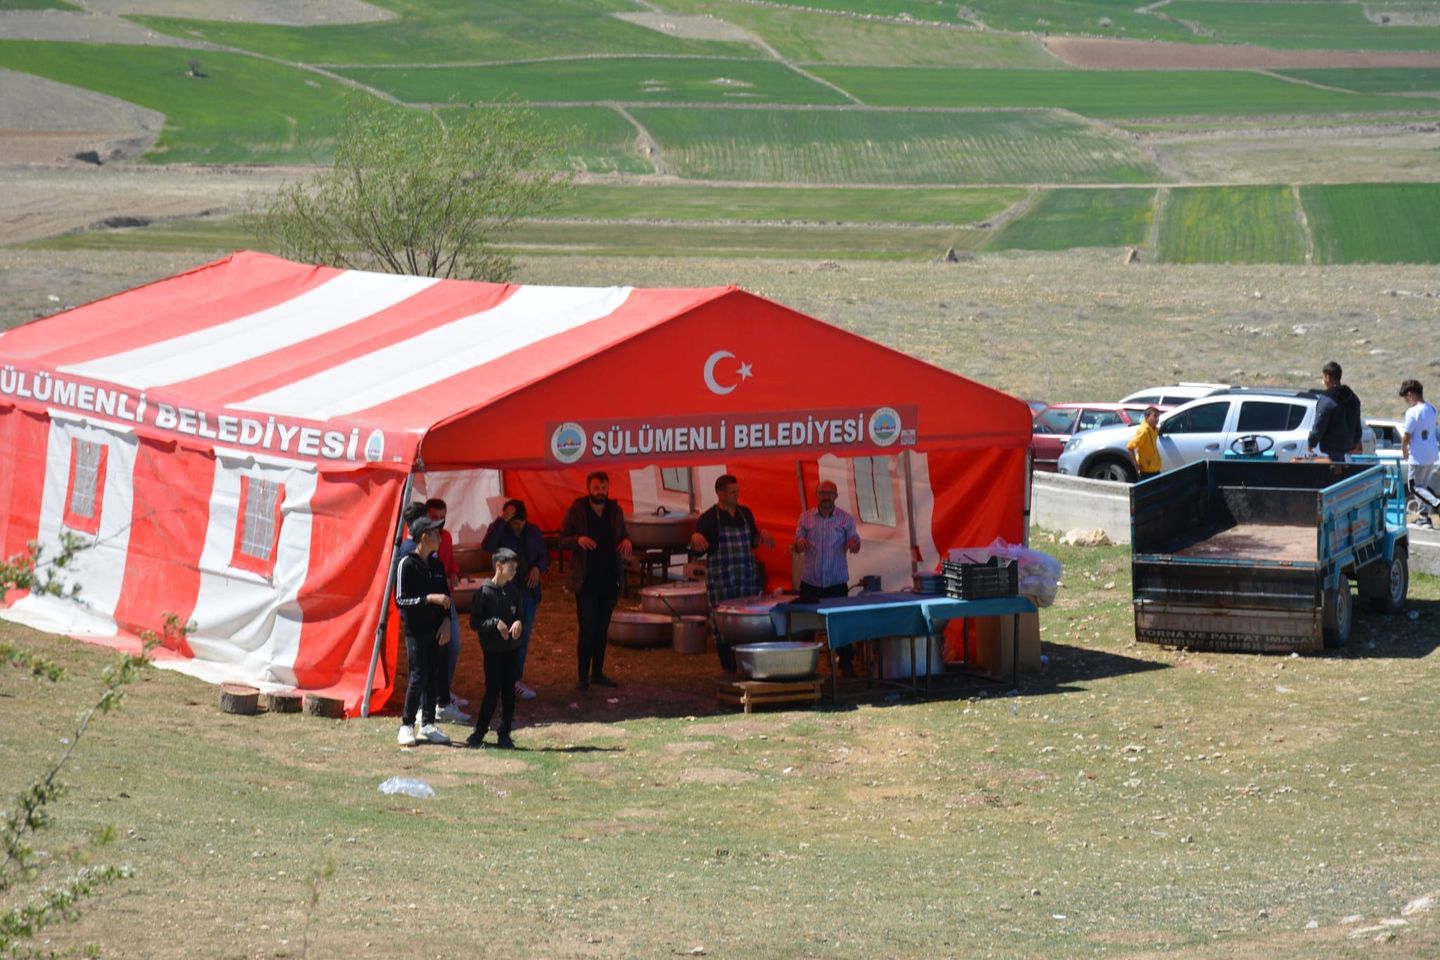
[{"x": 1060, "y": 502}]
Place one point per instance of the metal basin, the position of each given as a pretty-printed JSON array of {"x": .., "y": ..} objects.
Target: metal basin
[
  {"x": 675, "y": 599},
  {"x": 785, "y": 660},
  {"x": 661, "y": 531},
  {"x": 747, "y": 619},
  {"x": 630, "y": 628},
  {"x": 472, "y": 558}
]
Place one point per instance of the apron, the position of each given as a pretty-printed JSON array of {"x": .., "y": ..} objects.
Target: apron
[{"x": 732, "y": 571}]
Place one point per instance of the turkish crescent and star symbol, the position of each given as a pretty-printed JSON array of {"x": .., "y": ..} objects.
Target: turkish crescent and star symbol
[{"x": 743, "y": 371}]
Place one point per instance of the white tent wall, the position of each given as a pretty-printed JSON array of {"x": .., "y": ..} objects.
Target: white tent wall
[
  {"x": 246, "y": 625},
  {"x": 472, "y": 498},
  {"x": 99, "y": 566}
]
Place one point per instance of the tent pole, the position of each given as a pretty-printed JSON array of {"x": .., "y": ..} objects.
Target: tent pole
[
  {"x": 910, "y": 513},
  {"x": 800, "y": 482},
  {"x": 1029, "y": 490},
  {"x": 385, "y": 600}
]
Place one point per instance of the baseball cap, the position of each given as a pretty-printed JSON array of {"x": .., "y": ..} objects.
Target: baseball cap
[
  {"x": 504, "y": 555},
  {"x": 423, "y": 525}
]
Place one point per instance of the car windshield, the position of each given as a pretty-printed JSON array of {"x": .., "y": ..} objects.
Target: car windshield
[
  {"x": 1090, "y": 419},
  {"x": 1055, "y": 421}
]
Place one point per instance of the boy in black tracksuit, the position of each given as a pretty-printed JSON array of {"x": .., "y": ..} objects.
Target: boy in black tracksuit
[
  {"x": 495, "y": 615},
  {"x": 423, "y": 595}
]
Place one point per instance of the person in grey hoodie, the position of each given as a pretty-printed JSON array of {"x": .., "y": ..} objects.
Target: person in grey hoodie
[{"x": 1338, "y": 426}]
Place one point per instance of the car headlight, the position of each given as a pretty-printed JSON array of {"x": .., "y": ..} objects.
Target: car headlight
[{"x": 1072, "y": 443}]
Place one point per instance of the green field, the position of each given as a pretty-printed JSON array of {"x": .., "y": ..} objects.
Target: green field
[
  {"x": 1374, "y": 222},
  {"x": 1298, "y": 25},
  {"x": 1078, "y": 16},
  {"x": 1231, "y": 225},
  {"x": 594, "y": 140},
  {"x": 1106, "y": 94},
  {"x": 456, "y": 31},
  {"x": 244, "y": 110},
  {"x": 1375, "y": 80},
  {"x": 1062, "y": 219},
  {"x": 940, "y": 11},
  {"x": 807, "y": 38},
  {"x": 771, "y": 204},
  {"x": 875, "y": 146},
  {"x": 593, "y": 80}
]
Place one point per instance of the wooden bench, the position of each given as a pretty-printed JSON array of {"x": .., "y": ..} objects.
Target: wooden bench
[{"x": 751, "y": 693}]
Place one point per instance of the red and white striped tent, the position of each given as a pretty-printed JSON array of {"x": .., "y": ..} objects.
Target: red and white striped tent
[{"x": 233, "y": 444}]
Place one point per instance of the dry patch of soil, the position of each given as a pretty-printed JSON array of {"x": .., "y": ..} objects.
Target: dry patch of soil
[
  {"x": 42, "y": 121},
  {"x": 722, "y": 776},
  {"x": 282, "y": 12},
  {"x": 66, "y": 25},
  {"x": 688, "y": 28},
  {"x": 1092, "y": 54}
]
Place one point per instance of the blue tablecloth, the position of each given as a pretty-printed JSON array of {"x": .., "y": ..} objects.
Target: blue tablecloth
[{"x": 850, "y": 620}]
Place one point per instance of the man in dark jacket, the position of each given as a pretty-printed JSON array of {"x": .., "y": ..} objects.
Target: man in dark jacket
[
  {"x": 495, "y": 616},
  {"x": 594, "y": 531},
  {"x": 423, "y": 596},
  {"x": 1338, "y": 426}
]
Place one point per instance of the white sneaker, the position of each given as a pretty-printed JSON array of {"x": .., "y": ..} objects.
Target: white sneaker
[
  {"x": 523, "y": 692},
  {"x": 452, "y": 714},
  {"x": 433, "y": 734},
  {"x": 407, "y": 735}
]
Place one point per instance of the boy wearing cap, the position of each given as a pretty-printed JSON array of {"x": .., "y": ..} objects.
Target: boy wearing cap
[
  {"x": 423, "y": 596},
  {"x": 496, "y": 616},
  {"x": 513, "y": 530}
]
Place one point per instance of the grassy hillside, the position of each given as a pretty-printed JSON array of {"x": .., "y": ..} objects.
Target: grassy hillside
[
  {"x": 1374, "y": 222},
  {"x": 846, "y": 147},
  {"x": 1232, "y": 225},
  {"x": 1062, "y": 219}
]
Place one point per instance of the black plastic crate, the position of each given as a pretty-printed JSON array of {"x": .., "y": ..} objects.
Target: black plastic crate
[{"x": 997, "y": 577}]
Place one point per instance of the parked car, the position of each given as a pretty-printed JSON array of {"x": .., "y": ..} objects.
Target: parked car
[
  {"x": 1173, "y": 395},
  {"x": 1057, "y": 423},
  {"x": 1387, "y": 435},
  {"x": 1204, "y": 429}
]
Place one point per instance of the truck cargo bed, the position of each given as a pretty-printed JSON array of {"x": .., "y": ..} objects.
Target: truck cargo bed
[{"x": 1279, "y": 543}]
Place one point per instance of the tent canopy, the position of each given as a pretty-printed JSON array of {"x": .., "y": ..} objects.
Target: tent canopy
[{"x": 347, "y": 369}]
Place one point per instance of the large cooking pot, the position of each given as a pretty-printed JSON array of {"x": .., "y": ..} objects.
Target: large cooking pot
[
  {"x": 661, "y": 531},
  {"x": 675, "y": 599},
  {"x": 472, "y": 559},
  {"x": 747, "y": 619},
  {"x": 631, "y": 628}
]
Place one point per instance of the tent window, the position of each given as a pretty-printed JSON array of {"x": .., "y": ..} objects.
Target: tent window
[
  {"x": 257, "y": 536},
  {"x": 87, "y": 485},
  {"x": 874, "y": 492},
  {"x": 676, "y": 479}
]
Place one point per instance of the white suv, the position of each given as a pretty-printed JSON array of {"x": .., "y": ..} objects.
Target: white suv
[
  {"x": 1204, "y": 429},
  {"x": 1173, "y": 395}
]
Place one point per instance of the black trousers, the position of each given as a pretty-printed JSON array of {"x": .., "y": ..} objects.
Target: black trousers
[
  {"x": 594, "y": 603},
  {"x": 502, "y": 669},
  {"x": 422, "y": 688},
  {"x": 809, "y": 593}
]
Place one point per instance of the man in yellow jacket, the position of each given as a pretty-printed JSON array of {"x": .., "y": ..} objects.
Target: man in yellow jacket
[{"x": 1144, "y": 447}]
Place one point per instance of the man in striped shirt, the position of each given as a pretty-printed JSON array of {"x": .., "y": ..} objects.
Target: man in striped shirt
[{"x": 823, "y": 537}]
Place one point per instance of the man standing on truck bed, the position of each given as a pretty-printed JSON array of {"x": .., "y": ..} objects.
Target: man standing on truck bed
[{"x": 1337, "y": 417}]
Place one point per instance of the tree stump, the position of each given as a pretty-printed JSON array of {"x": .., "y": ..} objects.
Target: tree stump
[
  {"x": 239, "y": 698},
  {"x": 288, "y": 701},
  {"x": 318, "y": 706}
]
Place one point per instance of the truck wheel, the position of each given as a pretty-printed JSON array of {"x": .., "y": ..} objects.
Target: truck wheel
[
  {"x": 1339, "y": 616},
  {"x": 1111, "y": 469},
  {"x": 1388, "y": 584}
]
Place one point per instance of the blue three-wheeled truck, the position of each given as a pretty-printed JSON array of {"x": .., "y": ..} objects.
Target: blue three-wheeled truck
[{"x": 1258, "y": 555}]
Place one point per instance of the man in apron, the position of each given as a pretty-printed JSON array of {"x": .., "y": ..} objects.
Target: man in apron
[{"x": 727, "y": 535}]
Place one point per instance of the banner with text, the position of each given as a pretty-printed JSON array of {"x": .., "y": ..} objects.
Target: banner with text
[{"x": 712, "y": 438}]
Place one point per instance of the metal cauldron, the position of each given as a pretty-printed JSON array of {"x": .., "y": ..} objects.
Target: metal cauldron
[
  {"x": 675, "y": 599},
  {"x": 662, "y": 530},
  {"x": 631, "y": 628},
  {"x": 747, "y": 619}
]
